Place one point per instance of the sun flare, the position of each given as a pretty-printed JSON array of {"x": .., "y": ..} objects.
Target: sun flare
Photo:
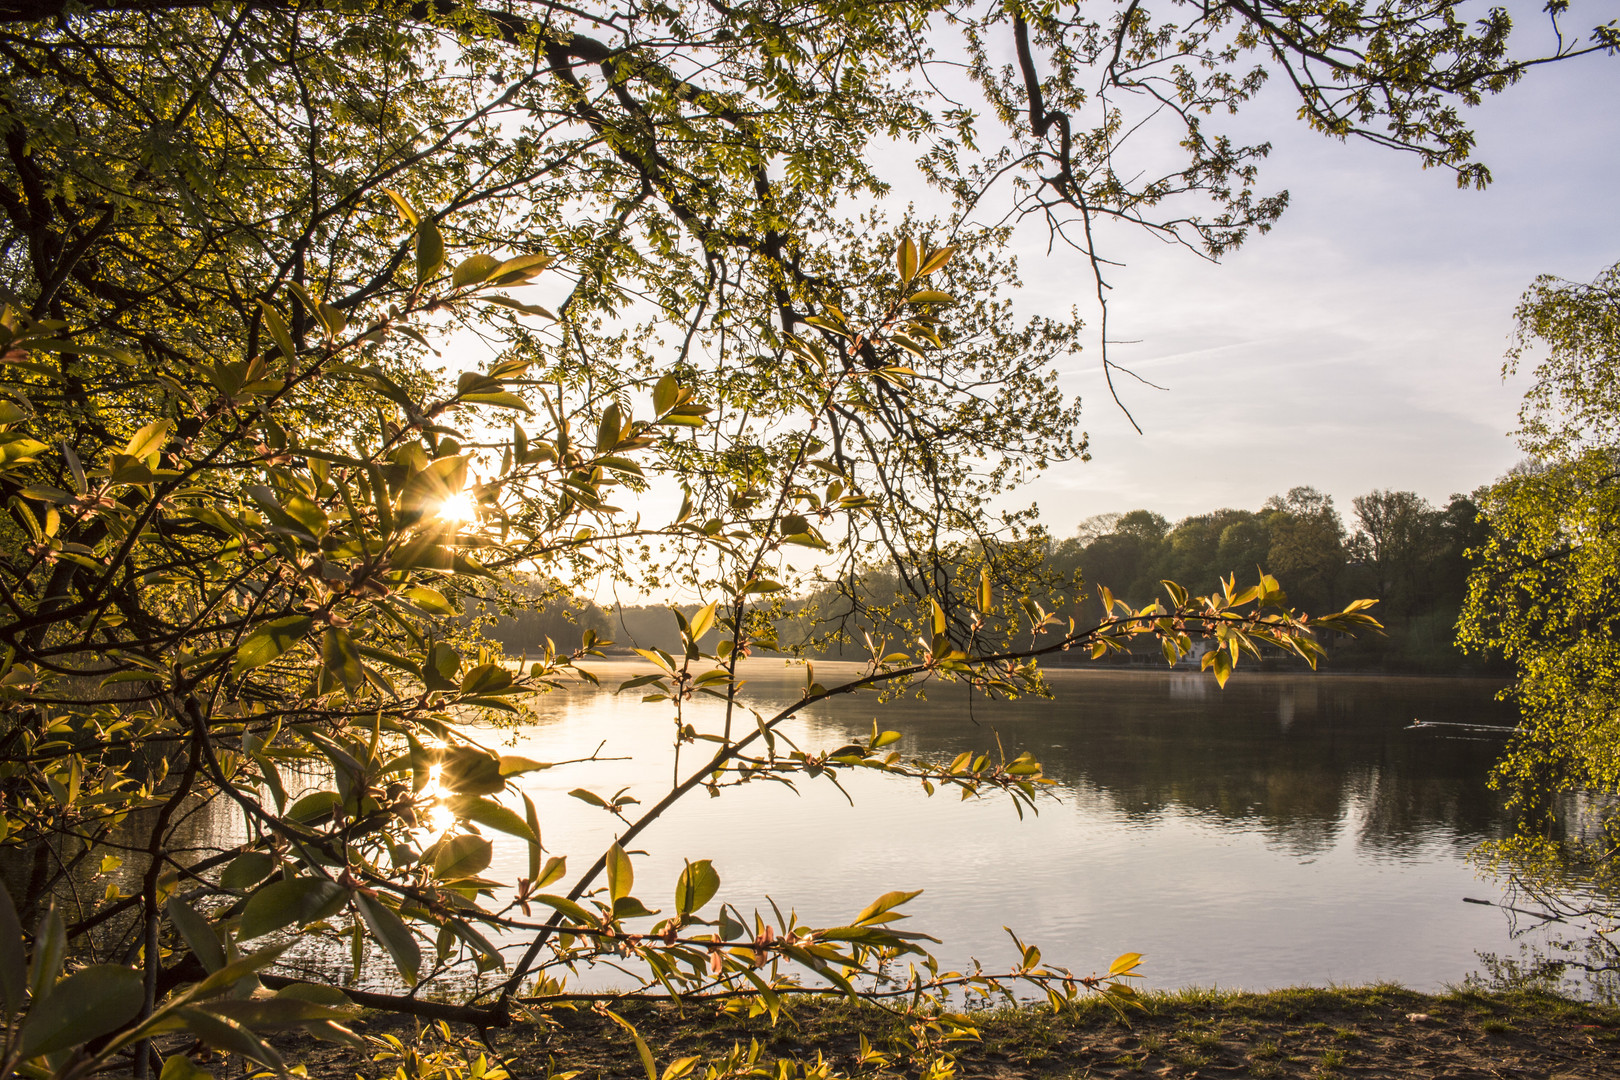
[
  {"x": 440, "y": 817},
  {"x": 458, "y": 508}
]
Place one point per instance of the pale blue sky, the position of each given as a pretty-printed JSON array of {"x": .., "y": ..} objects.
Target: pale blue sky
[{"x": 1359, "y": 345}]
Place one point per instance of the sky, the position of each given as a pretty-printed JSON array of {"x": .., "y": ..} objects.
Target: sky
[{"x": 1359, "y": 345}]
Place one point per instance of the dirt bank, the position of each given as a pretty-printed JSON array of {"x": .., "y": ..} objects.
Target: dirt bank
[{"x": 1368, "y": 1032}]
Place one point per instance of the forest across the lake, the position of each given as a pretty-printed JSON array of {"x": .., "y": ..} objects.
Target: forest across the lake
[{"x": 1394, "y": 545}]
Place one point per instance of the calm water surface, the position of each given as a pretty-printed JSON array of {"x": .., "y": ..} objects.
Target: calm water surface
[{"x": 1285, "y": 830}]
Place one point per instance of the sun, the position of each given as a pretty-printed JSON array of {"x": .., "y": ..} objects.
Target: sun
[
  {"x": 439, "y": 816},
  {"x": 458, "y": 508}
]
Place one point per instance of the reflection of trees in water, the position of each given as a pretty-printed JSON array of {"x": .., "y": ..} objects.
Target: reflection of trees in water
[
  {"x": 1561, "y": 892},
  {"x": 60, "y": 869},
  {"x": 1293, "y": 759},
  {"x": 1293, "y": 756},
  {"x": 1577, "y": 962},
  {"x": 1404, "y": 806}
]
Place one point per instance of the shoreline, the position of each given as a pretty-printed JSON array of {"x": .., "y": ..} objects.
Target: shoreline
[{"x": 1373, "y": 1031}]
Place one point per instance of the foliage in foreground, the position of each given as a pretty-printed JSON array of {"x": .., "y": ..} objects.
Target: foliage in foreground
[
  {"x": 244, "y": 512},
  {"x": 219, "y": 608}
]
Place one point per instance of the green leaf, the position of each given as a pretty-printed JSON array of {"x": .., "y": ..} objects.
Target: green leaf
[
  {"x": 504, "y": 399},
  {"x": 443, "y": 662},
  {"x": 86, "y": 1005},
  {"x": 270, "y": 641},
  {"x": 513, "y": 765},
  {"x": 13, "y": 967},
  {"x": 703, "y": 620},
  {"x": 580, "y": 916},
  {"x": 474, "y": 269},
  {"x": 278, "y": 330},
  {"x": 641, "y": 1046},
  {"x": 198, "y": 933},
  {"x": 906, "y": 260},
  {"x": 50, "y": 947},
  {"x": 486, "y": 679},
  {"x": 462, "y": 857},
  {"x": 342, "y": 660},
  {"x": 430, "y": 600},
  {"x": 392, "y": 934},
  {"x": 233, "y": 973},
  {"x": 19, "y": 451},
  {"x": 884, "y": 903},
  {"x": 555, "y": 868},
  {"x": 466, "y": 770},
  {"x": 518, "y": 305},
  {"x": 492, "y": 814},
  {"x": 935, "y": 260},
  {"x": 406, "y": 210},
  {"x": 621, "y": 875},
  {"x": 520, "y": 268},
  {"x": 313, "y": 807},
  {"x": 429, "y": 250},
  {"x": 284, "y": 903},
  {"x": 628, "y": 907},
  {"x": 307, "y": 513},
  {"x": 148, "y": 440},
  {"x": 180, "y": 1067},
  {"x": 224, "y": 1033},
  {"x": 666, "y": 395},
  {"x": 320, "y": 994},
  {"x": 696, "y": 886},
  {"x": 1124, "y": 963},
  {"x": 246, "y": 871},
  {"x": 930, "y": 296},
  {"x": 609, "y": 428},
  {"x": 532, "y": 818},
  {"x": 279, "y": 1011}
]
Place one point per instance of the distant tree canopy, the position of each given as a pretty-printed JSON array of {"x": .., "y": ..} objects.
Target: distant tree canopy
[
  {"x": 1403, "y": 550},
  {"x": 524, "y": 613}
]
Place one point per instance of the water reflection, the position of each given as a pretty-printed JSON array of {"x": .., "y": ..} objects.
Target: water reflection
[
  {"x": 1288, "y": 754},
  {"x": 1285, "y": 829}
]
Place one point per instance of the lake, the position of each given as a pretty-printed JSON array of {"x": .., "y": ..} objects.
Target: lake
[{"x": 1287, "y": 829}]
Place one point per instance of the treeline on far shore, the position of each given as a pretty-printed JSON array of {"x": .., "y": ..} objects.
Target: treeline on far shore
[{"x": 1396, "y": 546}]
